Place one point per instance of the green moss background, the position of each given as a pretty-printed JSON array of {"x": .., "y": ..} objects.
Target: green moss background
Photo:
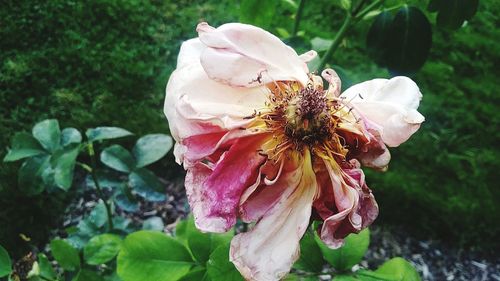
[{"x": 106, "y": 62}]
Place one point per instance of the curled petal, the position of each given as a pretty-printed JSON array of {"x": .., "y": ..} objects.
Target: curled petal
[
  {"x": 391, "y": 104},
  {"x": 257, "y": 201},
  {"x": 368, "y": 207},
  {"x": 308, "y": 56},
  {"x": 373, "y": 153},
  {"x": 268, "y": 251},
  {"x": 214, "y": 191},
  {"x": 198, "y": 147},
  {"x": 334, "y": 80},
  {"x": 345, "y": 204},
  {"x": 250, "y": 56}
]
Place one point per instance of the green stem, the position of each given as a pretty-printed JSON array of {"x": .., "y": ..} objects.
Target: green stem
[
  {"x": 100, "y": 193},
  {"x": 350, "y": 20},
  {"x": 298, "y": 17},
  {"x": 358, "y": 7},
  {"x": 368, "y": 9},
  {"x": 336, "y": 41},
  {"x": 84, "y": 166}
]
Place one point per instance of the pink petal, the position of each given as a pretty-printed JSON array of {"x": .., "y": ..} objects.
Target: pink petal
[
  {"x": 345, "y": 204},
  {"x": 247, "y": 56},
  {"x": 373, "y": 153},
  {"x": 198, "y": 147},
  {"x": 268, "y": 192},
  {"x": 214, "y": 192},
  {"x": 391, "y": 104},
  {"x": 269, "y": 249}
]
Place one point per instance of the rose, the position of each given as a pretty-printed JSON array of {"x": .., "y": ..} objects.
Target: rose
[{"x": 263, "y": 141}]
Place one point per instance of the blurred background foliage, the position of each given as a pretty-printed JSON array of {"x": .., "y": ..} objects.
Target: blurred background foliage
[{"x": 106, "y": 62}]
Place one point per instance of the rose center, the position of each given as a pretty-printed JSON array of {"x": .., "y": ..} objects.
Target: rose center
[{"x": 308, "y": 118}]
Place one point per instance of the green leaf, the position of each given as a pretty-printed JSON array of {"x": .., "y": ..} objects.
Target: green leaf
[
  {"x": 112, "y": 277},
  {"x": 181, "y": 230},
  {"x": 5, "y": 263},
  {"x": 349, "y": 254},
  {"x": 101, "y": 249},
  {"x": 153, "y": 223},
  {"x": 346, "y": 278},
  {"x": 151, "y": 255},
  {"x": 30, "y": 174},
  {"x": 105, "y": 133},
  {"x": 87, "y": 275},
  {"x": 220, "y": 268},
  {"x": 453, "y": 13},
  {"x": 396, "y": 269},
  {"x": 63, "y": 162},
  {"x": 320, "y": 45},
  {"x": 293, "y": 277},
  {"x": 371, "y": 14},
  {"x": 146, "y": 184},
  {"x": 126, "y": 200},
  {"x": 70, "y": 136},
  {"x": 400, "y": 269},
  {"x": 345, "y": 4},
  {"x": 65, "y": 254},
  {"x": 257, "y": 12},
  {"x": 402, "y": 43},
  {"x": 46, "y": 269},
  {"x": 376, "y": 37},
  {"x": 410, "y": 40},
  {"x": 99, "y": 215},
  {"x": 123, "y": 224},
  {"x": 196, "y": 274},
  {"x": 151, "y": 148},
  {"x": 23, "y": 145},
  {"x": 118, "y": 158},
  {"x": 200, "y": 244},
  {"x": 311, "y": 258},
  {"x": 84, "y": 231},
  {"x": 106, "y": 178},
  {"x": 290, "y": 4},
  {"x": 48, "y": 134}
]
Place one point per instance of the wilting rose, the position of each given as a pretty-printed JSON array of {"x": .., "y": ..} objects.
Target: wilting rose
[{"x": 262, "y": 140}]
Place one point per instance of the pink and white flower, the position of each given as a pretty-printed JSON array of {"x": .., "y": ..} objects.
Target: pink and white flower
[{"x": 262, "y": 140}]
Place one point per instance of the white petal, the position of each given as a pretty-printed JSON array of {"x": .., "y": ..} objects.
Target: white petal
[
  {"x": 192, "y": 98},
  {"x": 268, "y": 251},
  {"x": 247, "y": 56},
  {"x": 190, "y": 52},
  {"x": 391, "y": 104},
  {"x": 308, "y": 56}
]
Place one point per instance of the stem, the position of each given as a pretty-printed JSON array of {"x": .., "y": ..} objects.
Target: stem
[
  {"x": 350, "y": 20},
  {"x": 93, "y": 172},
  {"x": 358, "y": 7},
  {"x": 298, "y": 17},
  {"x": 336, "y": 41},
  {"x": 84, "y": 166},
  {"x": 368, "y": 9}
]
